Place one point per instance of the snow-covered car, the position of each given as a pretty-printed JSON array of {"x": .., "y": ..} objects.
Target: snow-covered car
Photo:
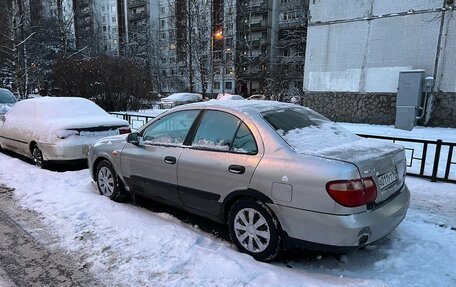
[
  {"x": 7, "y": 100},
  {"x": 180, "y": 99},
  {"x": 56, "y": 129},
  {"x": 278, "y": 174},
  {"x": 230, "y": 98},
  {"x": 257, "y": 97}
]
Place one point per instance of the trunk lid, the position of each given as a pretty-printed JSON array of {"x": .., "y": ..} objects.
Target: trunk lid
[{"x": 384, "y": 162}]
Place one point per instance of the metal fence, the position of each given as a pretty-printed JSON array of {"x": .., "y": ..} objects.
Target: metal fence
[
  {"x": 434, "y": 160},
  {"x": 136, "y": 120},
  {"x": 425, "y": 158}
]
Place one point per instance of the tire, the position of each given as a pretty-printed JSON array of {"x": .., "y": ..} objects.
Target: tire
[
  {"x": 38, "y": 159},
  {"x": 263, "y": 241},
  {"x": 108, "y": 182}
]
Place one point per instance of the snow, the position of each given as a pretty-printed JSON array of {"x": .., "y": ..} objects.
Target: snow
[
  {"x": 4, "y": 108},
  {"x": 125, "y": 245},
  {"x": 230, "y": 98},
  {"x": 183, "y": 97}
]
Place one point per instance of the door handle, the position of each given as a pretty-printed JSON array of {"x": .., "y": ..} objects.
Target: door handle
[
  {"x": 236, "y": 169},
  {"x": 170, "y": 159}
]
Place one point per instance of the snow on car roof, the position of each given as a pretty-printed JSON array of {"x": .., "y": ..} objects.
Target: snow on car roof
[
  {"x": 65, "y": 107},
  {"x": 253, "y": 106}
]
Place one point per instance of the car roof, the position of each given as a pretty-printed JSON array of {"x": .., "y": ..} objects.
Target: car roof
[{"x": 245, "y": 107}]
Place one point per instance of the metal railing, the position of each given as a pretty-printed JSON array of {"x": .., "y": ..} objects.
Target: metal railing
[
  {"x": 135, "y": 120},
  {"x": 429, "y": 159},
  {"x": 426, "y": 158}
]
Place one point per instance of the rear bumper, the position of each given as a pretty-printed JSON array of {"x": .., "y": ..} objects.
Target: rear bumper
[
  {"x": 342, "y": 232},
  {"x": 64, "y": 152}
]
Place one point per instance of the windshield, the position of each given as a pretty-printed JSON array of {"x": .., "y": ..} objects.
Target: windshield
[
  {"x": 307, "y": 131},
  {"x": 6, "y": 97}
]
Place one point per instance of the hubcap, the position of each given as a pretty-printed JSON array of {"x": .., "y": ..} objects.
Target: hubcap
[
  {"x": 106, "y": 181},
  {"x": 252, "y": 230},
  {"x": 37, "y": 157}
]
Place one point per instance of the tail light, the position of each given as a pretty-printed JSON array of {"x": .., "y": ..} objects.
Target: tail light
[
  {"x": 124, "y": 130},
  {"x": 353, "y": 193}
]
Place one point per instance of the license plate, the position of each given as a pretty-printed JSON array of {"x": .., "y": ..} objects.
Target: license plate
[{"x": 387, "y": 178}]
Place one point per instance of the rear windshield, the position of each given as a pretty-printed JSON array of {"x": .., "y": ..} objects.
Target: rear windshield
[
  {"x": 6, "y": 97},
  {"x": 286, "y": 120},
  {"x": 307, "y": 131}
]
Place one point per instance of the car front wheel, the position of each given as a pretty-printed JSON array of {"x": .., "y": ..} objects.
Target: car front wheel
[
  {"x": 254, "y": 229},
  {"x": 38, "y": 158},
  {"x": 108, "y": 182}
]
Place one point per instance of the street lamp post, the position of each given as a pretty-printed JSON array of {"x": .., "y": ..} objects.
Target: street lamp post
[{"x": 218, "y": 35}]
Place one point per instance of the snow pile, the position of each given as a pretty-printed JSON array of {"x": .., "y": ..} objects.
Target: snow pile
[{"x": 125, "y": 245}]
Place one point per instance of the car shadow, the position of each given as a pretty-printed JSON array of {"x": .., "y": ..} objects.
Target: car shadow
[
  {"x": 74, "y": 165},
  {"x": 288, "y": 258},
  {"x": 218, "y": 230}
]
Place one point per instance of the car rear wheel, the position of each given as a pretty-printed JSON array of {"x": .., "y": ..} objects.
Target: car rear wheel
[
  {"x": 38, "y": 158},
  {"x": 108, "y": 182},
  {"x": 254, "y": 229}
]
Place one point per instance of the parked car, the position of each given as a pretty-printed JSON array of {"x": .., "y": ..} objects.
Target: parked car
[
  {"x": 230, "y": 98},
  {"x": 56, "y": 129},
  {"x": 7, "y": 100},
  {"x": 257, "y": 97},
  {"x": 180, "y": 99},
  {"x": 280, "y": 175}
]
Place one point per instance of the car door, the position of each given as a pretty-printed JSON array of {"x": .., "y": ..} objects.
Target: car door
[
  {"x": 221, "y": 159},
  {"x": 150, "y": 167}
]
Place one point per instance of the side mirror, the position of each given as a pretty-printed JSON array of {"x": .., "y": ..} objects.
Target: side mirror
[
  {"x": 2, "y": 118},
  {"x": 133, "y": 138}
]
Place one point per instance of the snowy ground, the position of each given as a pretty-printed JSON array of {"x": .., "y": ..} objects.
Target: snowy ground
[{"x": 126, "y": 245}]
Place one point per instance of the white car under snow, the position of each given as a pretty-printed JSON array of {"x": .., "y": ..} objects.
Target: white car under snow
[{"x": 56, "y": 129}]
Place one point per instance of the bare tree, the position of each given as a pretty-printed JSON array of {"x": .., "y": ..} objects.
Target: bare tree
[{"x": 15, "y": 34}]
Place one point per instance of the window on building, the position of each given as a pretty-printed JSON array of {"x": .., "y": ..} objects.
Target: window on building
[
  {"x": 217, "y": 85},
  {"x": 114, "y": 19},
  {"x": 104, "y": 28},
  {"x": 228, "y": 85},
  {"x": 162, "y": 23},
  {"x": 162, "y": 9}
]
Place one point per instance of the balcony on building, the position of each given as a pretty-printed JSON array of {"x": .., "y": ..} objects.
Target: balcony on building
[
  {"x": 137, "y": 16},
  {"x": 136, "y": 3},
  {"x": 84, "y": 3}
]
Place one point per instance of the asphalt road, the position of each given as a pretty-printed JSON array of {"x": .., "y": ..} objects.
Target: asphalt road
[{"x": 27, "y": 257}]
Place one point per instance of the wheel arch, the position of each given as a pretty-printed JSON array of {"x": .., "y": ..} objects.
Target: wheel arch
[
  {"x": 32, "y": 145},
  {"x": 238, "y": 195},
  {"x": 97, "y": 162}
]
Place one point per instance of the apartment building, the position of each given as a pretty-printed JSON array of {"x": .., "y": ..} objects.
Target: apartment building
[
  {"x": 49, "y": 12},
  {"x": 97, "y": 25}
]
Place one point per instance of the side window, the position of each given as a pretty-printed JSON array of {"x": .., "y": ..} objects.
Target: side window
[
  {"x": 170, "y": 129},
  {"x": 216, "y": 131},
  {"x": 244, "y": 142}
]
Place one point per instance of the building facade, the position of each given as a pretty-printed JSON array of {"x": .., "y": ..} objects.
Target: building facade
[
  {"x": 356, "y": 49},
  {"x": 97, "y": 27}
]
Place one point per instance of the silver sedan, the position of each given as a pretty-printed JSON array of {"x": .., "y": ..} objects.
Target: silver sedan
[{"x": 278, "y": 174}]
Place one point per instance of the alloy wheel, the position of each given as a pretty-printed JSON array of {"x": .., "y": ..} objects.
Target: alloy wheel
[
  {"x": 252, "y": 230},
  {"x": 37, "y": 157},
  {"x": 106, "y": 181}
]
